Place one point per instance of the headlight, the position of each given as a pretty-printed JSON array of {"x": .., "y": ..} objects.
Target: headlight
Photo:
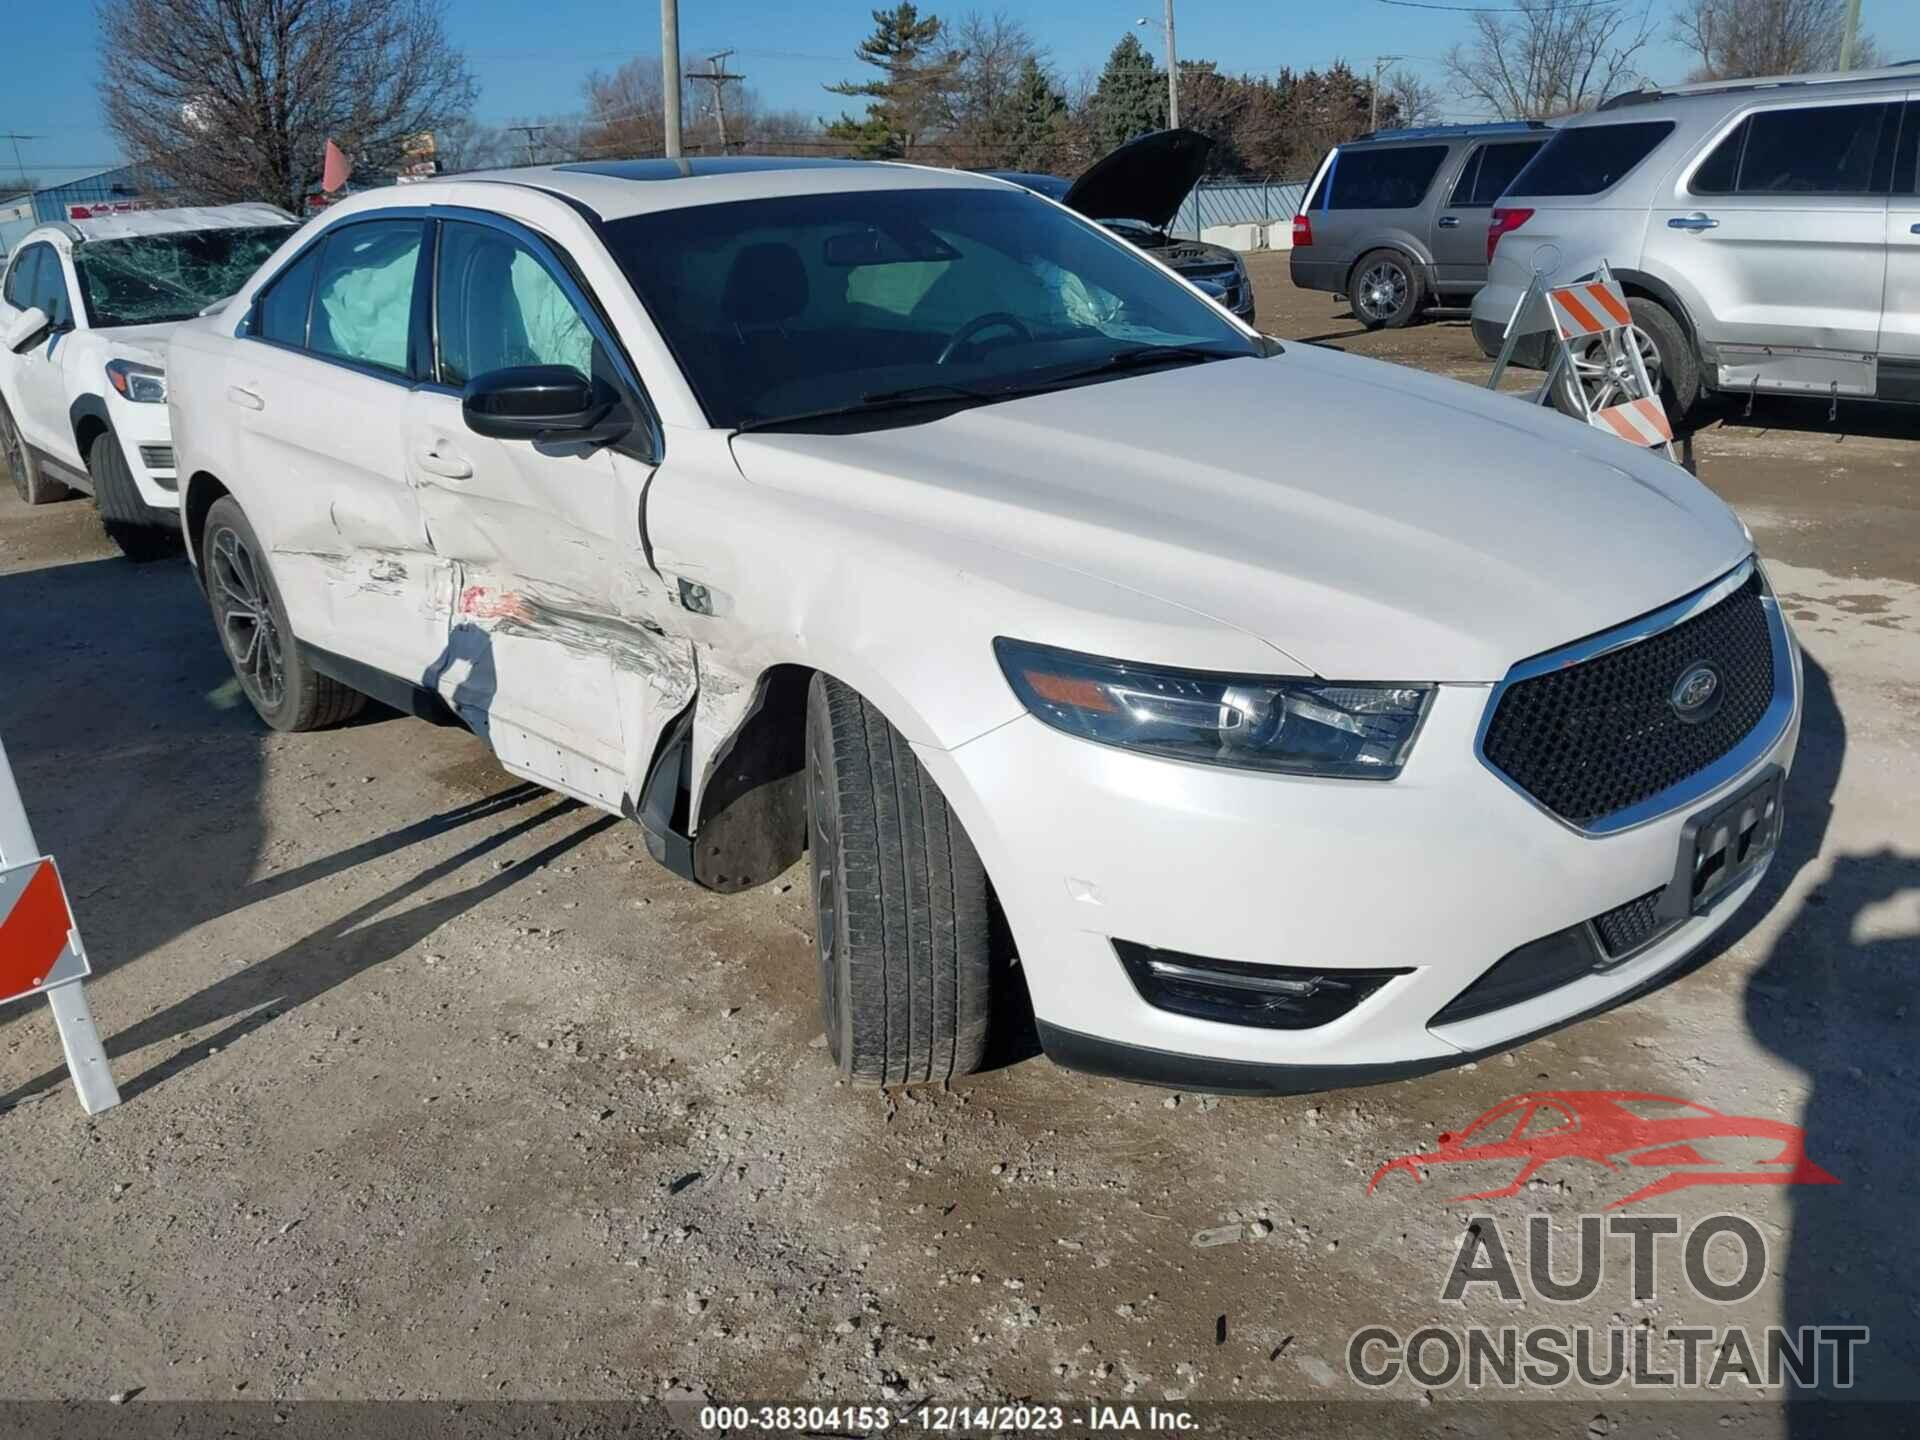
[
  {"x": 142, "y": 384},
  {"x": 1297, "y": 727}
]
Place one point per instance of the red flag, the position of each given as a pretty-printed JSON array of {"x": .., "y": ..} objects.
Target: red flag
[{"x": 336, "y": 170}]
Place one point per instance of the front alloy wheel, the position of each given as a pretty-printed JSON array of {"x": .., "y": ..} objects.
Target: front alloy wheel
[{"x": 245, "y": 617}]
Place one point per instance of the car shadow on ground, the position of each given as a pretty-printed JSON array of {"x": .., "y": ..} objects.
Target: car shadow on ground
[
  {"x": 143, "y": 769},
  {"x": 1837, "y": 998}
]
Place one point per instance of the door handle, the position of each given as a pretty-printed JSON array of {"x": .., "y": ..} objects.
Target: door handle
[
  {"x": 246, "y": 399},
  {"x": 1448, "y": 222},
  {"x": 1695, "y": 221},
  {"x": 447, "y": 467}
]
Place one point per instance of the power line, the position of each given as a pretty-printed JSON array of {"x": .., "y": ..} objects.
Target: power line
[{"x": 1505, "y": 9}]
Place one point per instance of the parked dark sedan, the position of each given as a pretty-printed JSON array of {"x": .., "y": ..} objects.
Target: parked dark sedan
[{"x": 1135, "y": 192}]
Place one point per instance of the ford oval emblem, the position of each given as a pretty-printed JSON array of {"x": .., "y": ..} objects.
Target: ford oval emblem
[{"x": 1694, "y": 692}]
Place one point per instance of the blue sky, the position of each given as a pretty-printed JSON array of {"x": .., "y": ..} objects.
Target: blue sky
[{"x": 527, "y": 67}]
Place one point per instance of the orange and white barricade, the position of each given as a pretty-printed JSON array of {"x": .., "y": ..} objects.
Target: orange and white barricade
[
  {"x": 1594, "y": 314},
  {"x": 40, "y": 948}
]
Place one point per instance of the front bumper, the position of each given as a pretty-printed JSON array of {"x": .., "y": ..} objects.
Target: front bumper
[
  {"x": 1442, "y": 871},
  {"x": 145, "y": 433}
]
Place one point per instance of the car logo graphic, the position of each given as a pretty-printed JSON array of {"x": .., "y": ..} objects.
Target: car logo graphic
[
  {"x": 1622, "y": 1130},
  {"x": 1694, "y": 691}
]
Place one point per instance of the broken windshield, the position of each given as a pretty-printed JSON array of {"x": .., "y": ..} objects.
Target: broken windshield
[{"x": 151, "y": 279}]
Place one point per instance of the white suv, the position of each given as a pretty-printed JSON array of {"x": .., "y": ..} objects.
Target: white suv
[
  {"x": 1308, "y": 719},
  {"x": 86, "y": 310},
  {"x": 1767, "y": 233}
]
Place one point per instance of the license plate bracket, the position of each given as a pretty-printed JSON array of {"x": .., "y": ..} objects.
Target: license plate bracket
[{"x": 1722, "y": 846}]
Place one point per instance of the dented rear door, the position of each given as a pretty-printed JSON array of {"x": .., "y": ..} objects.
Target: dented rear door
[{"x": 554, "y": 646}]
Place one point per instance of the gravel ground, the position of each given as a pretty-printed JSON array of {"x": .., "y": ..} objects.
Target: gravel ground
[{"x": 437, "y": 1088}]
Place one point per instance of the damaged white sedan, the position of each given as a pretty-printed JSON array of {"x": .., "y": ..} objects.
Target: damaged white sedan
[{"x": 1307, "y": 720}]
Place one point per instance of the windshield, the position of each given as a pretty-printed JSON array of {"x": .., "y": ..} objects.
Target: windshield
[
  {"x": 155, "y": 278},
  {"x": 794, "y": 306}
]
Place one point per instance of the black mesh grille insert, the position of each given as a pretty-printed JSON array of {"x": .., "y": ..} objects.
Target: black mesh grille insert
[
  {"x": 1627, "y": 927},
  {"x": 1597, "y": 737}
]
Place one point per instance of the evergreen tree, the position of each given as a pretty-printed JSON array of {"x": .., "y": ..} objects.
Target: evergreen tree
[
  {"x": 1038, "y": 115},
  {"x": 1131, "y": 98},
  {"x": 915, "y": 69}
]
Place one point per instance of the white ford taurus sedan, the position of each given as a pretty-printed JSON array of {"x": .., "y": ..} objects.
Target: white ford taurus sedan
[{"x": 1294, "y": 719}]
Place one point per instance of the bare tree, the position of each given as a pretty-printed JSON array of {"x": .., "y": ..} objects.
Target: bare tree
[
  {"x": 626, "y": 114},
  {"x": 1414, "y": 101},
  {"x": 236, "y": 99},
  {"x": 1736, "y": 39},
  {"x": 1547, "y": 57},
  {"x": 466, "y": 144}
]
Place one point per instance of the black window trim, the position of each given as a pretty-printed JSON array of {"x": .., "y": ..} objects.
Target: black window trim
[
  {"x": 648, "y": 444},
  {"x": 1743, "y": 126}
]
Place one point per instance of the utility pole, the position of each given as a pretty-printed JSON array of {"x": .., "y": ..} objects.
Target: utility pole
[
  {"x": 19, "y": 164},
  {"x": 1850, "y": 35},
  {"x": 530, "y": 131},
  {"x": 1380, "y": 63},
  {"x": 716, "y": 75},
  {"x": 670, "y": 73},
  {"x": 1173, "y": 67}
]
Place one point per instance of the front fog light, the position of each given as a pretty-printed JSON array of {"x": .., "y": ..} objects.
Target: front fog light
[
  {"x": 1270, "y": 997},
  {"x": 1357, "y": 731}
]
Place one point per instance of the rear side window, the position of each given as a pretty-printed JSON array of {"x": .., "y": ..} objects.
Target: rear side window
[
  {"x": 1813, "y": 150},
  {"x": 1378, "y": 179},
  {"x": 1589, "y": 158}
]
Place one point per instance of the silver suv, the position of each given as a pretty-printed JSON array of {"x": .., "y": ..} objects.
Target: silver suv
[
  {"x": 1767, "y": 233},
  {"x": 1397, "y": 220}
]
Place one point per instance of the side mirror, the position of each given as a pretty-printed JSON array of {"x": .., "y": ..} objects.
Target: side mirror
[
  {"x": 544, "y": 402},
  {"x": 26, "y": 330}
]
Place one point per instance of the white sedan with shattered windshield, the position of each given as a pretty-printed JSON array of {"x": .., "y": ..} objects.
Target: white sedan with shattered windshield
[
  {"x": 87, "y": 307},
  {"x": 1271, "y": 718}
]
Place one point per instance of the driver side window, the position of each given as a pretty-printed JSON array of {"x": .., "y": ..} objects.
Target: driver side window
[{"x": 500, "y": 307}]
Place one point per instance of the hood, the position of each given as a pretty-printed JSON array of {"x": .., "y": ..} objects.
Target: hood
[
  {"x": 145, "y": 343},
  {"x": 1145, "y": 179},
  {"x": 1367, "y": 521}
]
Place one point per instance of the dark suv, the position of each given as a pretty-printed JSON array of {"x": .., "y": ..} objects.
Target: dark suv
[{"x": 1397, "y": 220}]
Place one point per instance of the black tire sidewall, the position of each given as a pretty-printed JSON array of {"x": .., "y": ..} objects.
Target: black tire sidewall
[
  {"x": 141, "y": 532},
  {"x": 823, "y": 788},
  {"x": 226, "y": 514}
]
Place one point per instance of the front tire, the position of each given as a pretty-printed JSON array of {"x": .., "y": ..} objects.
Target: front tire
[
  {"x": 1386, "y": 290},
  {"x": 30, "y": 482},
  {"x": 901, "y": 910},
  {"x": 142, "y": 532},
  {"x": 288, "y": 693}
]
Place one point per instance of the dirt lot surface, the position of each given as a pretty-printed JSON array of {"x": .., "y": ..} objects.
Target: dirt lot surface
[{"x": 437, "y": 1087}]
